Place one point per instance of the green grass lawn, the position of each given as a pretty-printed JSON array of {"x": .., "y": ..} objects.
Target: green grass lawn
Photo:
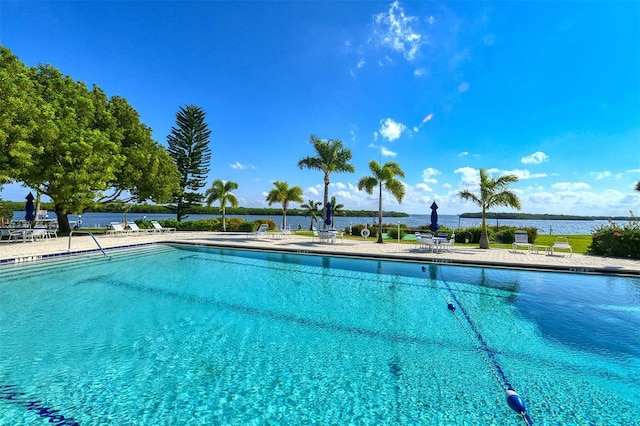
[{"x": 579, "y": 243}]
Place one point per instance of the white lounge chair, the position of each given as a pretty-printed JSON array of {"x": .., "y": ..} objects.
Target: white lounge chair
[
  {"x": 316, "y": 235},
  {"x": 135, "y": 229},
  {"x": 116, "y": 229},
  {"x": 562, "y": 243},
  {"x": 159, "y": 228},
  {"x": 261, "y": 232},
  {"x": 521, "y": 239}
]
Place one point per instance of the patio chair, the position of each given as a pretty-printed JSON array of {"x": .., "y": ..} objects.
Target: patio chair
[
  {"x": 425, "y": 241},
  {"x": 521, "y": 239},
  {"x": 327, "y": 236},
  {"x": 448, "y": 244},
  {"x": 4, "y": 232},
  {"x": 24, "y": 234},
  {"x": 562, "y": 243},
  {"x": 159, "y": 228}
]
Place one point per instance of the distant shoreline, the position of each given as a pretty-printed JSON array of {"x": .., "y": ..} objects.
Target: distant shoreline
[{"x": 534, "y": 216}]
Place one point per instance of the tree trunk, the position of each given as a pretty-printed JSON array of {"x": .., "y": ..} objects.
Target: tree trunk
[
  {"x": 224, "y": 225},
  {"x": 63, "y": 220},
  {"x": 326, "y": 200},
  {"x": 380, "y": 215},
  {"x": 484, "y": 236}
]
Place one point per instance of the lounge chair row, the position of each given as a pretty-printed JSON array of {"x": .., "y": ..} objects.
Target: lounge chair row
[
  {"x": 521, "y": 239},
  {"x": 116, "y": 229}
]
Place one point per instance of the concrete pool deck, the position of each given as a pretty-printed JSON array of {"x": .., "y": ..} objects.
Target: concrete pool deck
[{"x": 18, "y": 252}]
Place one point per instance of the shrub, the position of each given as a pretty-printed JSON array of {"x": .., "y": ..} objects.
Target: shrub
[
  {"x": 271, "y": 223},
  {"x": 617, "y": 241},
  {"x": 234, "y": 224},
  {"x": 356, "y": 229}
]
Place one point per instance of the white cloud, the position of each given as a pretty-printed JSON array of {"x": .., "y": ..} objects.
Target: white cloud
[
  {"x": 535, "y": 158},
  {"x": 313, "y": 191},
  {"x": 239, "y": 166},
  {"x": 421, "y": 72},
  {"x": 428, "y": 175},
  {"x": 390, "y": 129},
  {"x": 570, "y": 186},
  {"x": 361, "y": 64},
  {"x": 424, "y": 187},
  {"x": 387, "y": 153},
  {"x": 470, "y": 177},
  {"x": 393, "y": 29},
  {"x": 601, "y": 175},
  {"x": 463, "y": 154},
  {"x": 524, "y": 174},
  {"x": 463, "y": 87}
]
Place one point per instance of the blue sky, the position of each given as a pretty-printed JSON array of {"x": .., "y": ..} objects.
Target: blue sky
[{"x": 546, "y": 90}]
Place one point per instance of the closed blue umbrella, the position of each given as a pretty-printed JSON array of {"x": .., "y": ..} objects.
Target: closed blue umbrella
[
  {"x": 327, "y": 221},
  {"x": 434, "y": 218},
  {"x": 30, "y": 209}
]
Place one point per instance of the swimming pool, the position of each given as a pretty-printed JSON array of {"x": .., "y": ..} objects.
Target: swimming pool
[{"x": 189, "y": 336}]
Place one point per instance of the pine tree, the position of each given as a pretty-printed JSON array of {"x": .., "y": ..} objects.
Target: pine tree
[{"x": 189, "y": 148}]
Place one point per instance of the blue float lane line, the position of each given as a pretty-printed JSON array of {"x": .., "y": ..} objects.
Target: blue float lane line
[{"x": 515, "y": 402}]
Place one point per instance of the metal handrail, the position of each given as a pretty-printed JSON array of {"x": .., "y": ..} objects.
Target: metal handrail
[{"x": 92, "y": 236}]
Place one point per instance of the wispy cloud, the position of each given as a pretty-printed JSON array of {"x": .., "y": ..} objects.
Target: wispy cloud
[
  {"x": 570, "y": 186},
  {"x": 393, "y": 29},
  {"x": 605, "y": 175},
  {"x": 535, "y": 158},
  {"x": 524, "y": 174},
  {"x": 424, "y": 187},
  {"x": 390, "y": 129},
  {"x": 239, "y": 166},
  {"x": 386, "y": 152}
]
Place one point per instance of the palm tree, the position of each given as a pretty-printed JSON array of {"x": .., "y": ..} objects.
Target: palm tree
[
  {"x": 335, "y": 209},
  {"x": 284, "y": 195},
  {"x": 493, "y": 192},
  {"x": 384, "y": 176},
  {"x": 638, "y": 186},
  {"x": 312, "y": 208},
  {"x": 330, "y": 157},
  {"x": 221, "y": 191}
]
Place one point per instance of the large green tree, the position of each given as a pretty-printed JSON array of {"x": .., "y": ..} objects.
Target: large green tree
[
  {"x": 493, "y": 192},
  {"x": 220, "y": 190},
  {"x": 67, "y": 142},
  {"x": 21, "y": 109},
  {"x": 383, "y": 177},
  {"x": 189, "y": 147},
  {"x": 311, "y": 209},
  {"x": 331, "y": 157},
  {"x": 283, "y": 194}
]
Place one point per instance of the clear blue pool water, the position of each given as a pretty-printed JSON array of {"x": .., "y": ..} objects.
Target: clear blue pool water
[{"x": 191, "y": 336}]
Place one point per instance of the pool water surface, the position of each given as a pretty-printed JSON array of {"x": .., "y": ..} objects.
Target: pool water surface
[{"x": 190, "y": 336}]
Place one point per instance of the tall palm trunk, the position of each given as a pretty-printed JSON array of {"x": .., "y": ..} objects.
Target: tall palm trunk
[
  {"x": 484, "y": 236},
  {"x": 380, "y": 214}
]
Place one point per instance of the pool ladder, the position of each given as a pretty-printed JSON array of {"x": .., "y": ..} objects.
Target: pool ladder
[{"x": 92, "y": 236}]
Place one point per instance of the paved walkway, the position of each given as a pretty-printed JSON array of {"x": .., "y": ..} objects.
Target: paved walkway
[{"x": 33, "y": 251}]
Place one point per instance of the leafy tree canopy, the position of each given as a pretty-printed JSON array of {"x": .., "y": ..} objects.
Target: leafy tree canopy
[{"x": 73, "y": 144}]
